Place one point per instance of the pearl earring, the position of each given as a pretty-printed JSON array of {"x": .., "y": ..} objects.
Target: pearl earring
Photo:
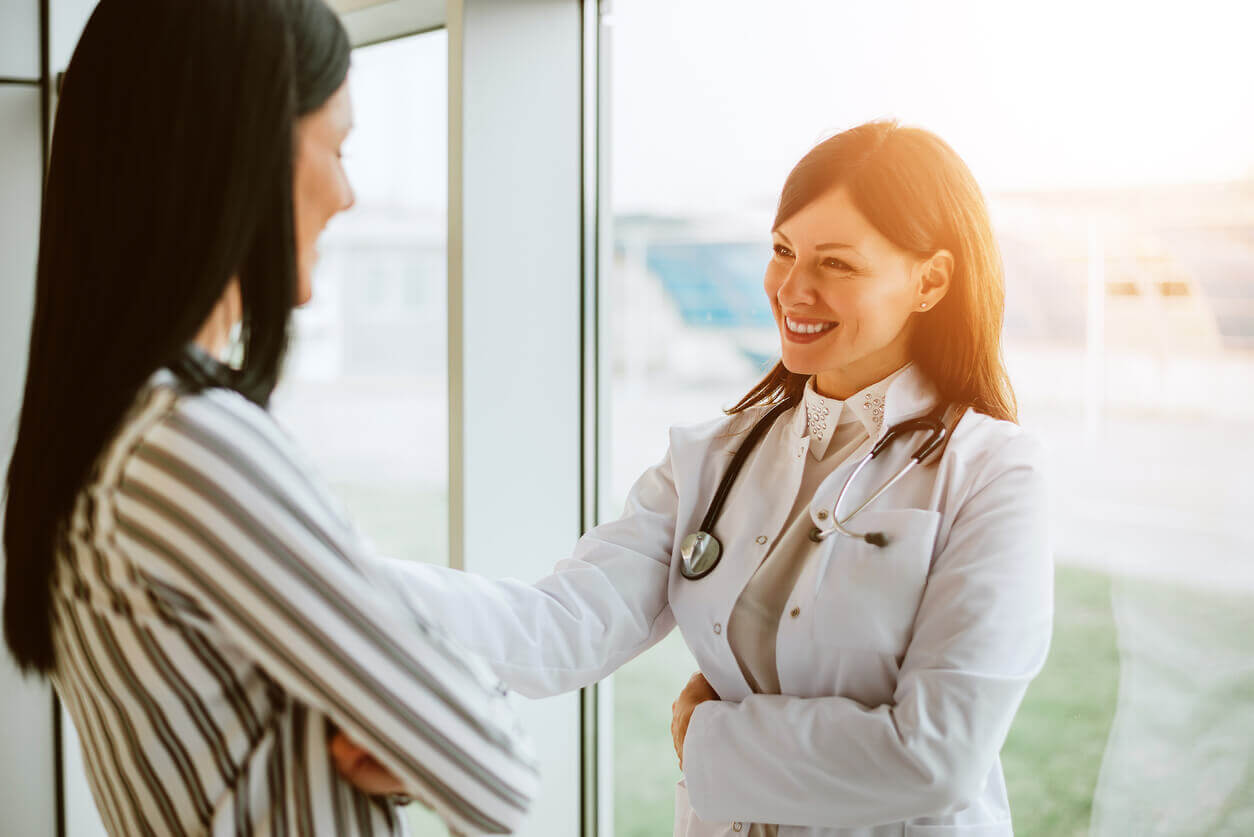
[{"x": 923, "y": 306}]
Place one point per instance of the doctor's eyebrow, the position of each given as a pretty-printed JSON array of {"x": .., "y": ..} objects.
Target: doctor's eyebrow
[{"x": 831, "y": 245}]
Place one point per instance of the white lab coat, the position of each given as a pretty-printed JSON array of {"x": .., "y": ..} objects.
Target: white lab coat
[{"x": 901, "y": 673}]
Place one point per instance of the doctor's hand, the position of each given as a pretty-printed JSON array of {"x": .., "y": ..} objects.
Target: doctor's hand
[
  {"x": 361, "y": 769},
  {"x": 696, "y": 692}
]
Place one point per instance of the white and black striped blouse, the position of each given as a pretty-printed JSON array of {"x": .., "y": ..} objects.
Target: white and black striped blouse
[{"x": 214, "y": 615}]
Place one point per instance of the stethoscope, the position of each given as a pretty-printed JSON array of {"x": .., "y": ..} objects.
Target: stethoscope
[{"x": 701, "y": 551}]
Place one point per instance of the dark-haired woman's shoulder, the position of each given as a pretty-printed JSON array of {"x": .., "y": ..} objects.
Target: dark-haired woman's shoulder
[{"x": 213, "y": 441}]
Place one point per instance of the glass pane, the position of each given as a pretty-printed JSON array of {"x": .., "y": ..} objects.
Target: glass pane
[
  {"x": 366, "y": 385},
  {"x": 1127, "y": 231}
]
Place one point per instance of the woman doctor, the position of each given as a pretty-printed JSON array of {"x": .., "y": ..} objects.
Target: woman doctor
[{"x": 850, "y": 684}]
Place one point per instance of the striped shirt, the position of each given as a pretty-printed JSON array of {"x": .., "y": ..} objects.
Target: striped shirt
[{"x": 215, "y": 618}]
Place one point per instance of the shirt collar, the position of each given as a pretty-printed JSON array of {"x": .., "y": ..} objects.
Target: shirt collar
[
  {"x": 906, "y": 393},
  {"x": 822, "y": 415}
]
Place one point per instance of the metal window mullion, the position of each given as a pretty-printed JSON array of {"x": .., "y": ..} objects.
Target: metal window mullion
[{"x": 590, "y": 377}]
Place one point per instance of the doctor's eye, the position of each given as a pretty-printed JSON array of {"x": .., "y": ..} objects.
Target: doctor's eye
[
  {"x": 782, "y": 251},
  {"x": 838, "y": 264}
]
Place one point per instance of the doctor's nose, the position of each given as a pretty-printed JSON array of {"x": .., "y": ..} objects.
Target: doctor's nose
[{"x": 797, "y": 289}]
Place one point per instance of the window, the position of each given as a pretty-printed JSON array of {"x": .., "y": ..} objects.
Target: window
[
  {"x": 366, "y": 384},
  {"x": 1129, "y": 252}
]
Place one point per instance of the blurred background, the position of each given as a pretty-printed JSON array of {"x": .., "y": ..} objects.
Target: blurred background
[{"x": 1115, "y": 144}]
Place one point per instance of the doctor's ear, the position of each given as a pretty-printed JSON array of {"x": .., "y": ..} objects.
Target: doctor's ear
[{"x": 932, "y": 278}]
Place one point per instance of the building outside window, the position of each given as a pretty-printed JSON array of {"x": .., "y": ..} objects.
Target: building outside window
[
  {"x": 1116, "y": 152},
  {"x": 366, "y": 384}
]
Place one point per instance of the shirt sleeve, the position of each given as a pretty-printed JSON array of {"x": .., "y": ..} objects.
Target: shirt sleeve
[
  {"x": 981, "y": 634},
  {"x": 215, "y": 501},
  {"x": 598, "y": 609}
]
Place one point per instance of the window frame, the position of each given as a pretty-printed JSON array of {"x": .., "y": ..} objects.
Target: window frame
[{"x": 480, "y": 75}]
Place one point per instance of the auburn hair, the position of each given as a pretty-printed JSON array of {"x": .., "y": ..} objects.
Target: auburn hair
[{"x": 916, "y": 191}]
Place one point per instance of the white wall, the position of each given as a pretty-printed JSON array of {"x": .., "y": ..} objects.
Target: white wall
[
  {"x": 515, "y": 277},
  {"x": 515, "y": 338}
]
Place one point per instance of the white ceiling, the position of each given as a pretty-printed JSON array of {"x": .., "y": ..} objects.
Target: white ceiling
[{"x": 370, "y": 21}]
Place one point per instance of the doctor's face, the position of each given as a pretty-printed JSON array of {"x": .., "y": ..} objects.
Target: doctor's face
[
  {"x": 319, "y": 185},
  {"x": 843, "y": 296}
]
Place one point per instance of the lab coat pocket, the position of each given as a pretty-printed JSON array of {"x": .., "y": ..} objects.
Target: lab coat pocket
[{"x": 867, "y": 595}]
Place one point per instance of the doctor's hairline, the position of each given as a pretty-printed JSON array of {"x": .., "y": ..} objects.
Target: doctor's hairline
[{"x": 915, "y": 190}]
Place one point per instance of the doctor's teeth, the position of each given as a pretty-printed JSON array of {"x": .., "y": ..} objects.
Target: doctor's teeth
[{"x": 807, "y": 328}]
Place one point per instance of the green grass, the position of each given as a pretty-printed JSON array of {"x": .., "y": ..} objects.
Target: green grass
[
  {"x": 1051, "y": 758},
  {"x": 1054, "y": 750},
  {"x": 645, "y": 766}
]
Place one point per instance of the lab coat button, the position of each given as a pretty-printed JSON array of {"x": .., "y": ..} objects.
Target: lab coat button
[
  {"x": 761, "y": 539},
  {"x": 822, "y": 515},
  {"x": 718, "y": 627},
  {"x": 736, "y": 826},
  {"x": 795, "y": 612}
]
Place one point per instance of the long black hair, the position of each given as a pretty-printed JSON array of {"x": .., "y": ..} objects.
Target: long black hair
[{"x": 170, "y": 173}]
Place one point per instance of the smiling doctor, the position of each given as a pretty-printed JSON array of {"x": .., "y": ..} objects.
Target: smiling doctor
[{"x": 861, "y": 662}]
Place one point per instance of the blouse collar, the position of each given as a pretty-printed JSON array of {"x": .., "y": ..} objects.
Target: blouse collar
[{"x": 869, "y": 407}]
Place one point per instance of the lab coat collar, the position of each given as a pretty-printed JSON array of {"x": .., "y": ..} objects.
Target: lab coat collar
[{"x": 904, "y": 394}]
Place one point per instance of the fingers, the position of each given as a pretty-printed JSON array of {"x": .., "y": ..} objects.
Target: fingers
[
  {"x": 342, "y": 745},
  {"x": 677, "y": 727},
  {"x": 360, "y": 768},
  {"x": 346, "y": 753},
  {"x": 696, "y": 691},
  {"x": 374, "y": 779},
  {"x": 369, "y": 776}
]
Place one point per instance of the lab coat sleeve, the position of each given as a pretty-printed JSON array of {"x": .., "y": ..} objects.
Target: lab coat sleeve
[
  {"x": 596, "y": 610},
  {"x": 981, "y": 634}
]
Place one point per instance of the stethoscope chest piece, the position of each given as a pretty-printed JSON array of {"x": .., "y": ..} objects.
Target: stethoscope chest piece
[{"x": 699, "y": 554}]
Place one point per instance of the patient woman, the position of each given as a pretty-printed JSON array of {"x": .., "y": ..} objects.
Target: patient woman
[
  {"x": 860, "y": 668},
  {"x": 203, "y": 612}
]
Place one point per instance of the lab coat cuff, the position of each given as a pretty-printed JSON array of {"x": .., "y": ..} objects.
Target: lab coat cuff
[{"x": 700, "y": 759}]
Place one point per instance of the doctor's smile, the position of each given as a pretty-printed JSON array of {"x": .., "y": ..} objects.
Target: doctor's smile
[{"x": 801, "y": 330}]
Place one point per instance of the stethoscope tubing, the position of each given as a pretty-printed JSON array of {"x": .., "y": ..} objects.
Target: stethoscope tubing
[
  {"x": 742, "y": 455},
  {"x": 701, "y": 551},
  {"x": 938, "y": 437},
  {"x": 838, "y": 525}
]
